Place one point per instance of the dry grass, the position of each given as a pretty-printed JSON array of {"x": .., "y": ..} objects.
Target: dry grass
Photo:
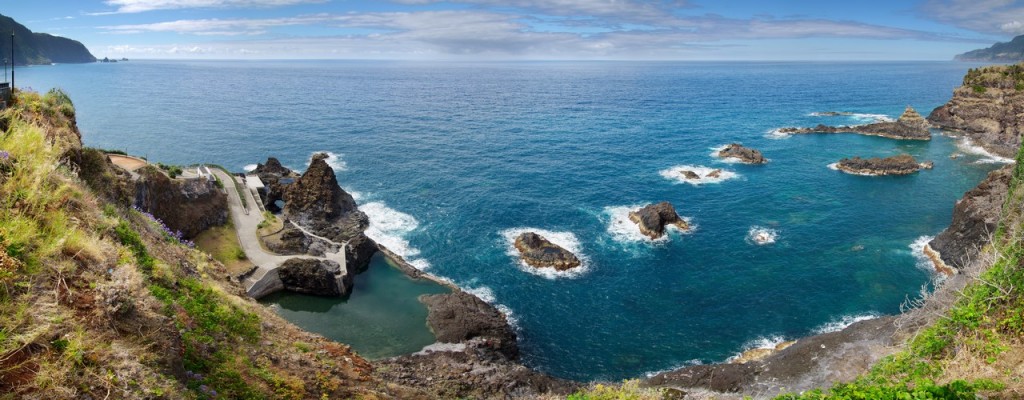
[{"x": 222, "y": 243}]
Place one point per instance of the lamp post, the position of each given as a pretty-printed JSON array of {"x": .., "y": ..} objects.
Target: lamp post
[{"x": 12, "y": 63}]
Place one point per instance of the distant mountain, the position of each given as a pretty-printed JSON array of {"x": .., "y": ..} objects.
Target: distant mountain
[
  {"x": 39, "y": 48},
  {"x": 1009, "y": 52}
]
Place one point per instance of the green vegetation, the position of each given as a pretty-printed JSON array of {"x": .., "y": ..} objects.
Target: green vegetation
[
  {"x": 1006, "y": 77},
  {"x": 172, "y": 170},
  {"x": 979, "y": 89},
  {"x": 629, "y": 390}
]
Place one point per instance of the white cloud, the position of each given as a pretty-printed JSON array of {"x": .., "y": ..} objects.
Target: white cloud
[
  {"x": 999, "y": 17},
  {"x": 136, "y": 6}
]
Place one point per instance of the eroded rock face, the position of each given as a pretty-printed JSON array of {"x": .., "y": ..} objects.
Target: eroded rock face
[
  {"x": 460, "y": 316},
  {"x": 744, "y": 154},
  {"x": 910, "y": 126},
  {"x": 189, "y": 205},
  {"x": 538, "y": 252},
  {"x": 316, "y": 202},
  {"x": 975, "y": 218},
  {"x": 275, "y": 178},
  {"x": 315, "y": 277},
  {"x": 902, "y": 164},
  {"x": 988, "y": 109},
  {"x": 653, "y": 219}
]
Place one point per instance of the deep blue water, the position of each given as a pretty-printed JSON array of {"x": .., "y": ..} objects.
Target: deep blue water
[{"x": 447, "y": 157}]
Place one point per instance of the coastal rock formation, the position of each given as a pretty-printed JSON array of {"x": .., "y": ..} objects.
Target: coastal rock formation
[
  {"x": 715, "y": 173},
  {"x": 903, "y": 164},
  {"x": 33, "y": 48},
  {"x": 1002, "y": 52},
  {"x": 275, "y": 178},
  {"x": 744, "y": 154},
  {"x": 315, "y": 277},
  {"x": 689, "y": 174},
  {"x": 808, "y": 363},
  {"x": 909, "y": 126},
  {"x": 538, "y": 252},
  {"x": 975, "y": 218},
  {"x": 653, "y": 219},
  {"x": 316, "y": 202},
  {"x": 186, "y": 205},
  {"x": 988, "y": 108},
  {"x": 459, "y": 316}
]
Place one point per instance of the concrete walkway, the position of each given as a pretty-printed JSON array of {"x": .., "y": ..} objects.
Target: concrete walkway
[{"x": 264, "y": 280}]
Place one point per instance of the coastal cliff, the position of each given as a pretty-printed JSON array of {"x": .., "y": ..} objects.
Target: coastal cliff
[
  {"x": 41, "y": 48},
  {"x": 988, "y": 108},
  {"x": 975, "y": 219},
  {"x": 189, "y": 206},
  {"x": 1009, "y": 52}
]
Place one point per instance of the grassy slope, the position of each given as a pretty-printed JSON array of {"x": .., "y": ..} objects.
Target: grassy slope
[{"x": 97, "y": 301}]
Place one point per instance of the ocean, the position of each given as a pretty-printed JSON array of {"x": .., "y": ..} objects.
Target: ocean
[{"x": 450, "y": 160}]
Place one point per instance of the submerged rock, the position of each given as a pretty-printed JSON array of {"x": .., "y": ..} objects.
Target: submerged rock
[
  {"x": 909, "y": 126},
  {"x": 744, "y": 154},
  {"x": 653, "y": 219},
  {"x": 538, "y": 252},
  {"x": 903, "y": 164}
]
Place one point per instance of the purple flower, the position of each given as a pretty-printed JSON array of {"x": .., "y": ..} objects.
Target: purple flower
[{"x": 4, "y": 155}]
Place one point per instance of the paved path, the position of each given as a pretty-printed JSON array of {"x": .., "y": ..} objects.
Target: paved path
[{"x": 264, "y": 280}]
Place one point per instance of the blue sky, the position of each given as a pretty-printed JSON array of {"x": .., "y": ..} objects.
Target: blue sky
[{"x": 527, "y": 29}]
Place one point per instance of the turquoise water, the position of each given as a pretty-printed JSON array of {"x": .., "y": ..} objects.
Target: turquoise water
[
  {"x": 383, "y": 318},
  {"x": 450, "y": 159}
]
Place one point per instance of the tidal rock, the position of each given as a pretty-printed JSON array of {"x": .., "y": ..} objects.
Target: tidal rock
[
  {"x": 689, "y": 174},
  {"x": 459, "y": 316},
  {"x": 744, "y": 154},
  {"x": 315, "y": 277},
  {"x": 715, "y": 173},
  {"x": 538, "y": 252},
  {"x": 653, "y": 219},
  {"x": 975, "y": 219},
  {"x": 987, "y": 108},
  {"x": 909, "y": 126},
  {"x": 903, "y": 164}
]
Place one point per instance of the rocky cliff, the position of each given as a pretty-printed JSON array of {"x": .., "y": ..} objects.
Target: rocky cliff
[
  {"x": 186, "y": 205},
  {"x": 1011, "y": 52},
  {"x": 975, "y": 219},
  {"x": 988, "y": 108},
  {"x": 40, "y": 48}
]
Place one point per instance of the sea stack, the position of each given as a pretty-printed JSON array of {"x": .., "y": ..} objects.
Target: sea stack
[
  {"x": 653, "y": 219},
  {"x": 538, "y": 252},
  {"x": 744, "y": 154},
  {"x": 903, "y": 164},
  {"x": 909, "y": 126}
]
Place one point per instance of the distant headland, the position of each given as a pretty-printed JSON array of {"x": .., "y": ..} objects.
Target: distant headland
[{"x": 32, "y": 48}]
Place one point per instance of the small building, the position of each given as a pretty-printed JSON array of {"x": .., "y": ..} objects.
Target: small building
[{"x": 253, "y": 182}]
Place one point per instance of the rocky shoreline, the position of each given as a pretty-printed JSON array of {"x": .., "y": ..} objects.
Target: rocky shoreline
[{"x": 909, "y": 126}]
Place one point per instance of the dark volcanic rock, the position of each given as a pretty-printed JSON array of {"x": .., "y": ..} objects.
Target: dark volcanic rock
[
  {"x": 653, "y": 219},
  {"x": 186, "y": 205},
  {"x": 316, "y": 202},
  {"x": 689, "y": 174},
  {"x": 902, "y": 164},
  {"x": 275, "y": 178},
  {"x": 744, "y": 154},
  {"x": 316, "y": 277},
  {"x": 910, "y": 126},
  {"x": 987, "y": 108},
  {"x": 811, "y": 362},
  {"x": 460, "y": 316},
  {"x": 538, "y": 252},
  {"x": 975, "y": 218}
]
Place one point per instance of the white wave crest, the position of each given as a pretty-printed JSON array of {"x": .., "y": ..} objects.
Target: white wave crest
[
  {"x": 843, "y": 323},
  {"x": 688, "y": 363},
  {"x": 762, "y": 236},
  {"x": 623, "y": 230},
  {"x": 567, "y": 240},
  {"x": 676, "y": 174},
  {"x": 835, "y": 167},
  {"x": 869, "y": 118},
  {"x": 777, "y": 134},
  {"x": 389, "y": 228},
  {"x": 249, "y": 167},
  {"x": 727, "y": 160},
  {"x": 968, "y": 146},
  {"x": 763, "y": 342},
  {"x": 333, "y": 160},
  {"x": 917, "y": 250}
]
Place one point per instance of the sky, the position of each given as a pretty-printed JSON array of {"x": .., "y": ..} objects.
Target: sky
[{"x": 784, "y": 30}]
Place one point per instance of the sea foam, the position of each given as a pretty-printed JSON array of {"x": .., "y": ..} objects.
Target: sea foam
[
  {"x": 763, "y": 342},
  {"x": 487, "y": 295},
  {"x": 249, "y": 167},
  {"x": 762, "y": 236},
  {"x": 968, "y": 146},
  {"x": 777, "y": 134},
  {"x": 917, "y": 249},
  {"x": 333, "y": 160},
  {"x": 623, "y": 230},
  {"x": 676, "y": 174},
  {"x": 567, "y": 240},
  {"x": 843, "y": 322},
  {"x": 389, "y": 227}
]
